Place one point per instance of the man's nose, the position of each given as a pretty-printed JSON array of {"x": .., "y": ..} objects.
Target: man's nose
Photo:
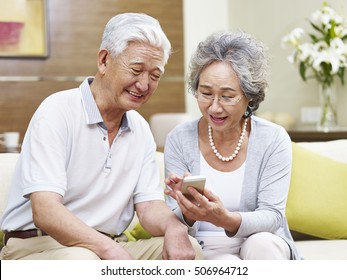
[{"x": 142, "y": 82}]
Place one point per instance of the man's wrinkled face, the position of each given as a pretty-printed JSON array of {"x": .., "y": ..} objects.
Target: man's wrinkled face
[{"x": 134, "y": 75}]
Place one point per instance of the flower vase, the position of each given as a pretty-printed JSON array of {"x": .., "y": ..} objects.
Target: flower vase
[{"x": 328, "y": 113}]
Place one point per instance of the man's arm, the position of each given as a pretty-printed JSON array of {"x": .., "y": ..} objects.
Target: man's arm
[
  {"x": 53, "y": 217},
  {"x": 158, "y": 219}
]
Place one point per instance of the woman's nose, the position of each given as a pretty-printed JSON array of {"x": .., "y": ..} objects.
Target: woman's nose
[{"x": 216, "y": 106}]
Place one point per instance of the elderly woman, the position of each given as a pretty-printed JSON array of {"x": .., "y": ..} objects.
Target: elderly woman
[{"x": 246, "y": 160}]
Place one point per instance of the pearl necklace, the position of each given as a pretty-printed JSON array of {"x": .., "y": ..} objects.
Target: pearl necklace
[{"x": 238, "y": 147}]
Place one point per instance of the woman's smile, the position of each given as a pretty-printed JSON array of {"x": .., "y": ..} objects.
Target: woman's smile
[{"x": 217, "y": 120}]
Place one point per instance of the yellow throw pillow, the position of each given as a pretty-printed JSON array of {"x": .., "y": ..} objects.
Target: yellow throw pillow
[
  {"x": 1, "y": 239},
  {"x": 137, "y": 232},
  {"x": 317, "y": 199}
]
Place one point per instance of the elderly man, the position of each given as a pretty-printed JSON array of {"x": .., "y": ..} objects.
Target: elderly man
[{"x": 87, "y": 161}]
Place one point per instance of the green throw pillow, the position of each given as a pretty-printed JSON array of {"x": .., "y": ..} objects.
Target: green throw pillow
[{"x": 317, "y": 199}]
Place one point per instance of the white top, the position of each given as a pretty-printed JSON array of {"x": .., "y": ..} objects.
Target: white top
[
  {"x": 66, "y": 151},
  {"x": 227, "y": 186}
]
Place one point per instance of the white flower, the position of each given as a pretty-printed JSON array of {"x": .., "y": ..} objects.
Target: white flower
[
  {"x": 326, "y": 55},
  {"x": 318, "y": 18},
  {"x": 339, "y": 46},
  {"x": 307, "y": 51},
  {"x": 291, "y": 58},
  {"x": 329, "y": 56},
  {"x": 293, "y": 37},
  {"x": 340, "y": 31}
]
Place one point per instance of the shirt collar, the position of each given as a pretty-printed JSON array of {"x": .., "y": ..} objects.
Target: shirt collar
[{"x": 91, "y": 110}]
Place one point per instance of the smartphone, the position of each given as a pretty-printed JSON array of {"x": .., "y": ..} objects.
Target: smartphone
[{"x": 197, "y": 182}]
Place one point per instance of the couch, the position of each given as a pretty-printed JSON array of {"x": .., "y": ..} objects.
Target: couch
[{"x": 317, "y": 199}]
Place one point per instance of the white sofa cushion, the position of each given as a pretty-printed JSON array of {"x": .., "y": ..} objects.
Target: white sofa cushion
[
  {"x": 322, "y": 249},
  {"x": 7, "y": 165},
  {"x": 335, "y": 149}
]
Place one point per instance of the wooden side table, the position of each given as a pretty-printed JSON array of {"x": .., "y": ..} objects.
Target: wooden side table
[
  {"x": 9, "y": 150},
  {"x": 311, "y": 135}
]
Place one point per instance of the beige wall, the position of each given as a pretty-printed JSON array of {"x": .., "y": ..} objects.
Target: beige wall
[
  {"x": 269, "y": 21},
  {"x": 200, "y": 18}
]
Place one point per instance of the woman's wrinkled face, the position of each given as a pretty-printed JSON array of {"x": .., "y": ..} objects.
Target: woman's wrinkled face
[
  {"x": 133, "y": 76},
  {"x": 220, "y": 98}
]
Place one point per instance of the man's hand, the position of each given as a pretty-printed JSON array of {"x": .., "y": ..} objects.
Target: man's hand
[
  {"x": 115, "y": 252},
  {"x": 177, "y": 245},
  {"x": 158, "y": 219}
]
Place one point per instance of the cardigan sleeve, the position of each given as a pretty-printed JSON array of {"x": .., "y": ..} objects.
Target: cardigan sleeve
[{"x": 266, "y": 184}]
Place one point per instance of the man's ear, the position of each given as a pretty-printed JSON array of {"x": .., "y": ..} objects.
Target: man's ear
[{"x": 103, "y": 58}]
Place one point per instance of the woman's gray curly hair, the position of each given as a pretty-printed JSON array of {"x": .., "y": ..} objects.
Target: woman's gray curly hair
[{"x": 247, "y": 57}]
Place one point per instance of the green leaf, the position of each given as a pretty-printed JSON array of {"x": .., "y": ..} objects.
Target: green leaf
[
  {"x": 326, "y": 68},
  {"x": 302, "y": 70},
  {"x": 341, "y": 74},
  {"x": 314, "y": 38},
  {"x": 332, "y": 33},
  {"x": 317, "y": 28}
]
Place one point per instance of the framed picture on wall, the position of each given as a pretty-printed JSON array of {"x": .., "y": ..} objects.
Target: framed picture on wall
[{"x": 23, "y": 28}]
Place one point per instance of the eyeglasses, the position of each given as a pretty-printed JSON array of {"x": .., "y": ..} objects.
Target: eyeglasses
[{"x": 223, "y": 100}]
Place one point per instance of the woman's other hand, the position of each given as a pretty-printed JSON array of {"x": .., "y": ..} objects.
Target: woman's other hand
[{"x": 173, "y": 184}]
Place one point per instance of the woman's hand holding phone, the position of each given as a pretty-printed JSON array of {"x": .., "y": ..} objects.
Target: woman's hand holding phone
[{"x": 203, "y": 206}]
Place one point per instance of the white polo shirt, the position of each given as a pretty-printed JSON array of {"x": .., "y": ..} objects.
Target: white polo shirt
[{"x": 66, "y": 151}]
